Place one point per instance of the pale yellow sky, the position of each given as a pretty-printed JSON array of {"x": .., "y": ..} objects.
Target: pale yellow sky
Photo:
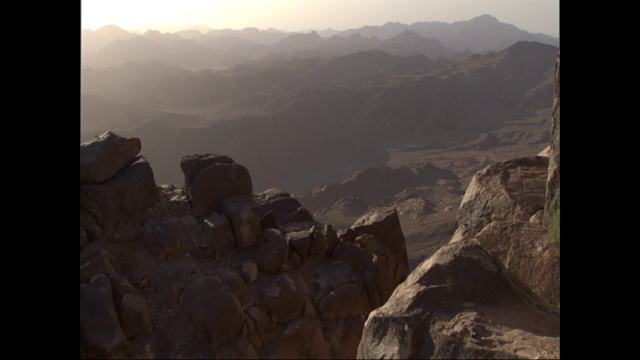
[{"x": 300, "y": 15}]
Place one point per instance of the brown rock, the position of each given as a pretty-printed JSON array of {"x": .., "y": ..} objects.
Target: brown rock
[
  {"x": 285, "y": 209},
  {"x": 318, "y": 247},
  {"x": 527, "y": 258},
  {"x": 245, "y": 220},
  {"x": 344, "y": 335},
  {"x": 100, "y": 264},
  {"x": 336, "y": 289},
  {"x": 176, "y": 199},
  {"x": 134, "y": 313},
  {"x": 268, "y": 221},
  {"x": 552, "y": 196},
  {"x": 100, "y": 330},
  {"x": 220, "y": 233},
  {"x": 213, "y": 308},
  {"x": 211, "y": 178},
  {"x": 511, "y": 190},
  {"x": 458, "y": 291},
  {"x": 191, "y": 165},
  {"x": 281, "y": 297},
  {"x": 124, "y": 198},
  {"x": 272, "y": 255},
  {"x": 302, "y": 339},
  {"x": 331, "y": 237},
  {"x": 235, "y": 282},
  {"x": 249, "y": 272},
  {"x": 300, "y": 243},
  {"x": 238, "y": 347},
  {"x": 265, "y": 324},
  {"x": 385, "y": 226},
  {"x": 84, "y": 238},
  {"x": 120, "y": 286},
  {"x": 102, "y": 157},
  {"x": 164, "y": 235}
]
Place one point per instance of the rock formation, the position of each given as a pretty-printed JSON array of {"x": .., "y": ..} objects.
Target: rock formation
[
  {"x": 494, "y": 290},
  {"x": 211, "y": 270}
]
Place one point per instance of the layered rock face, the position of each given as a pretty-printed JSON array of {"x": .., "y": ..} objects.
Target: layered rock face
[
  {"x": 494, "y": 290},
  {"x": 211, "y": 270}
]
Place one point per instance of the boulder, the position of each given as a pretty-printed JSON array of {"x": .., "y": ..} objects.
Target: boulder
[
  {"x": 176, "y": 199},
  {"x": 344, "y": 335},
  {"x": 299, "y": 242},
  {"x": 100, "y": 330},
  {"x": 336, "y": 289},
  {"x": 238, "y": 347},
  {"x": 134, "y": 314},
  {"x": 102, "y": 157},
  {"x": 235, "y": 282},
  {"x": 272, "y": 255},
  {"x": 120, "y": 286},
  {"x": 211, "y": 178},
  {"x": 124, "y": 198},
  {"x": 385, "y": 226},
  {"x": 331, "y": 237},
  {"x": 285, "y": 209},
  {"x": 458, "y": 304},
  {"x": 552, "y": 196},
  {"x": 301, "y": 339},
  {"x": 244, "y": 215},
  {"x": 510, "y": 190},
  {"x": 220, "y": 234},
  {"x": 100, "y": 264},
  {"x": 164, "y": 235},
  {"x": 213, "y": 308},
  {"x": 281, "y": 297},
  {"x": 527, "y": 258}
]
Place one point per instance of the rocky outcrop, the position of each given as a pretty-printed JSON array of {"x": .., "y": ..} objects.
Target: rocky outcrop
[
  {"x": 213, "y": 271},
  {"x": 101, "y": 158},
  {"x": 552, "y": 201},
  {"x": 509, "y": 190},
  {"x": 458, "y": 304},
  {"x": 494, "y": 290}
]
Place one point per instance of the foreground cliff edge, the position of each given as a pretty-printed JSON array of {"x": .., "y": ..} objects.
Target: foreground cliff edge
[
  {"x": 494, "y": 290},
  {"x": 211, "y": 270}
]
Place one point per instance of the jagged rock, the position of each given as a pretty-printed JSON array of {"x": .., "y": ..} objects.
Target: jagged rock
[
  {"x": 286, "y": 209},
  {"x": 220, "y": 235},
  {"x": 213, "y": 308},
  {"x": 134, "y": 313},
  {"x": 198, "y": 240},
  {"x": 249, "y": 272},
  {"x": 84, "y": 238},
  {"x": 336, "y": 289},
  {"x": 176, "y": 199},
  {"x": 331, "y": 237},
  {"x": 511, "y": 190},
  {"x": 265, "y": 324},
  {"x": 100, "y": 330},
  {"x": 552, "y": 196},
  {"x": 527, "y": 258},
  {"x": 191, "y": 165},
  {"x": 302, "y": 338},
  {"x": 211, "y": 178},
  {"x": 123, "y": 198},
  {"x": 457, "y": 292},
  {"x": 300, "y": 243},
  {"x": 164, "y": 235},
  {"x": 318, "y": 247},
  {"x": 244, "y": 215},
  {"x": 376, "y": 279},
  {"x": 268, "y": 221},
  {"x": 238, "y": 347},
  {"x": 281, "y": 297},
  {"x": 385, "y": 226},
  {"x": 235, "y": 282},
  {"x": 272, "y": 255},
  {"x": 100, "y": 264},
  {"x": 120, "y": 286},
  {"x": 102, "y": 157},
  {"x": 344, "y": 335}
]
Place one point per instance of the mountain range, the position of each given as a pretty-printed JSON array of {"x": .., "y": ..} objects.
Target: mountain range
[
  {"x": 220, "y": 49},
  {"x": 300, "y": 123}
]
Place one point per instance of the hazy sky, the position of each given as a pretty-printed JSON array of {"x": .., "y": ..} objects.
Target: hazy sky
[{"x": 300, "y": 15}]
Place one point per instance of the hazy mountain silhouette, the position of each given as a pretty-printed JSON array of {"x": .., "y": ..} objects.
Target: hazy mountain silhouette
[
  {"x": 218, "y": 49},
  {"x": 301, "y": 123},
  {"x": 479, "y": 35}
]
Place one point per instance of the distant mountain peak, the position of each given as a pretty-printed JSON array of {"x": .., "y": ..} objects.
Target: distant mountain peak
[{"x": 485, "y": 18}]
